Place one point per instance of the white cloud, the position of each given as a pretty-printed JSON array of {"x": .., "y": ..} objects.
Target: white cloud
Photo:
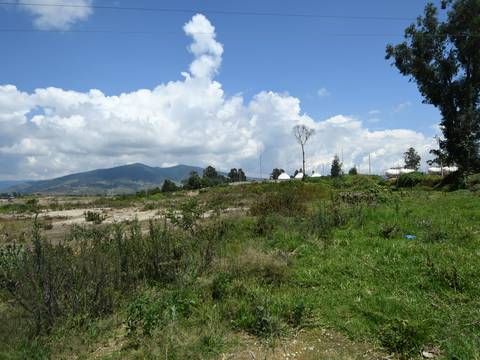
[
  {"x": 57, "y": 14},
  {"x": 208, "y": 52},
  {"x": 374, "y": 112},
  {"x": 402, "y": 106},
  {"x": 52, "y": 132},
  {"x": 323, "y": 92}
]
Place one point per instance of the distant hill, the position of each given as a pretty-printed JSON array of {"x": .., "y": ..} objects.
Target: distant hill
[
  {"x": 5, "y": 184},
  {"x": 116, "y": 180}
]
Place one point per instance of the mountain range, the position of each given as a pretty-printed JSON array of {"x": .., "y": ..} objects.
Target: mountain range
[{"x": 117, "y": 180}]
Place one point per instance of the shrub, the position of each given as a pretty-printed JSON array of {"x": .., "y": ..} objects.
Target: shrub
[
  {"x": 287, "y": 202},
  {"x": 259, "y": 316},
  {"x": 220, "y": 286},
  {"x": 409, "y": 180},
  {"x": 149, "y": 310},
  {"x": 95, "y": 217},
  {"x": 84, "y": 276}
]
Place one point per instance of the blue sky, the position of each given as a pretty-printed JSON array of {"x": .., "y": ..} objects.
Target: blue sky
[{"x": 332, "y": 66}]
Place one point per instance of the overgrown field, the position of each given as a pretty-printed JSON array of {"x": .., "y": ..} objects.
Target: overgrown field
[{"x": 382, "y": 269}]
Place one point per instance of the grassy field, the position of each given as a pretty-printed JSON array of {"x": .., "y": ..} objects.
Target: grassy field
[{"x": 307, "y": 270}]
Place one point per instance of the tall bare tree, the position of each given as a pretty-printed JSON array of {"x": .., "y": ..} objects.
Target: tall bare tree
[{"x": 302, "y": 133}]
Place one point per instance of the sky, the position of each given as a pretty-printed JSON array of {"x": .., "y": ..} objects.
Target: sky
[{"x": 210, "y": 83}]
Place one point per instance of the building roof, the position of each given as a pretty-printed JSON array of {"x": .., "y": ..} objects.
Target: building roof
[{"x": 284, "y": 176}]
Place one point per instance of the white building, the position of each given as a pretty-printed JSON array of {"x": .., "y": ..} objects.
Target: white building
[{"x": 284, "y": 176}]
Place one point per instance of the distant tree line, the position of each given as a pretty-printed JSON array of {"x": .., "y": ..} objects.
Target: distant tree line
[{"x": 210, "y": 177}]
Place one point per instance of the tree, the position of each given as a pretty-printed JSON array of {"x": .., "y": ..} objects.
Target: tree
[
  {"x": 439, "y": 158},
  {"x": 276, "y": 173},
  {"x": 443, "y": 58},
  {"x": 353, "y": 171},
  {"x": 241, "y": 175},
  {"x": 169, "y": 186},
  {"x": 193, "y": 182},
  {"x": 302, "y": 133},
  {"x": 210, "y": 173},
  {"x": 336, "y": 169},
  {"x": 412, "y": 159},
  {"x": 233, "y": 175},
  {"x": 297, "y": 172}
]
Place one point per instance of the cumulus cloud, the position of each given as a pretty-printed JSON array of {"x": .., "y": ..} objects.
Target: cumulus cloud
[
  {"x": 57, "y": 14},
  {"x": 208, "y": 52},
  {"x": 52, "y": 131}
]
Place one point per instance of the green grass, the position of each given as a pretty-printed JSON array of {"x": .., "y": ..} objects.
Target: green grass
[{"x": 340, "y": 261}]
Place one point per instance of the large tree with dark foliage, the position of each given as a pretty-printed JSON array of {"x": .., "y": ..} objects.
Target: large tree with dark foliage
[
  {"x": 241, "y": 175},
  {"x": 276, "y": 173},
  {"x": 412, "y": 159},
  {"x": 193, "y": 181},
  {"x": 210, "y": 173},
  {"x": 443, "y": 58},
  {"x": 233, "y": 175},
  {"x": 169, "y": 186},
  {"x": 236, "y": 175},
  {"x": 336, "y": 169}
]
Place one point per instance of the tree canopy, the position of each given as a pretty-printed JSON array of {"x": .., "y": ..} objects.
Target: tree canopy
[
  {"x": 235, "y": 175},
  {"x": 443, "y": 58},
  {"x": 412, "y": 159},
  {"x": 336, "y": 169}
]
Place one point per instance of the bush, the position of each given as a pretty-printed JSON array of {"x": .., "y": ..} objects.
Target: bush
[
  {"x": 288, "y": 202},
  {"x": 150, "y": 311},
  {"x": 409, "y": 180},
  {"x": 84, "y": 276},
  {"x": 259, "y": 316},
  {"x": 95, "y": 217}
]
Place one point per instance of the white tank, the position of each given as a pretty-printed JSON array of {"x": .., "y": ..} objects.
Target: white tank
[
  {"x": 284, "y": 176},
  {"x": 392, "y": 173}
]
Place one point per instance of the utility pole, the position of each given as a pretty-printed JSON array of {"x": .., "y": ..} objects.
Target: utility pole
[{"x": 261, "y": 178}]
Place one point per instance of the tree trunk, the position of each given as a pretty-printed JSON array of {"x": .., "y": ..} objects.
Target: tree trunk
[{"x": 303, "y": 161}]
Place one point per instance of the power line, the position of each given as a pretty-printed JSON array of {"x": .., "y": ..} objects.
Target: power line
[
  {"x": 134, "y": 32},
  {"x": 216, "y": 12}
]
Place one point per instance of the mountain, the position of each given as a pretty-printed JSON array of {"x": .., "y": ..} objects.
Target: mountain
[
  {"x": 5, "y": 184},
  {"x": 116, "y": 180}
]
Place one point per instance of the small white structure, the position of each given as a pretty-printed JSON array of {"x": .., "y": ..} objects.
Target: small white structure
[
  {"x": 395, "y": 172},
  {"x": 316, "y": 175},
  {"x": 284, "y": 176},
  {"x": 437, "y": 170},
  {"x": 299, "y": 176},
  {"x": 391, "y": 173}
]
